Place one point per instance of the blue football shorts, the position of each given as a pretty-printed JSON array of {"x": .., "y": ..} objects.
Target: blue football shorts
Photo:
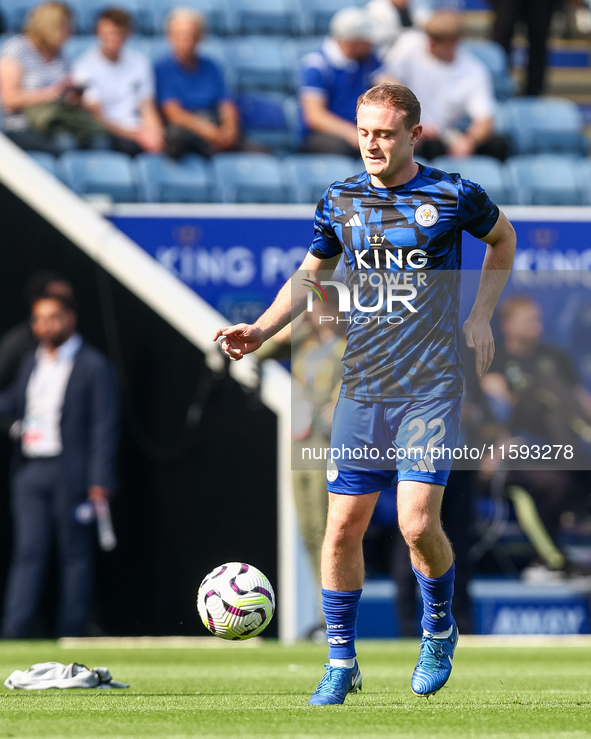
[{"x": 374, "y": 446}]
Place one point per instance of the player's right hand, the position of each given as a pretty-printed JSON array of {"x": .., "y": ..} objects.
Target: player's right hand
[{"x": 238, "y": 340}]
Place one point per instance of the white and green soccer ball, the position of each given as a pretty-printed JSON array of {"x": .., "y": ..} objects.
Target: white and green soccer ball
[{"x": 236, "y": 601}]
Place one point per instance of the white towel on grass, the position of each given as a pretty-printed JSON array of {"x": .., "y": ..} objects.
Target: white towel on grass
[{"x": 55, "y": 675}]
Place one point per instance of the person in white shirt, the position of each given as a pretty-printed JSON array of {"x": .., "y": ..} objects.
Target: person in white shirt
[
  {"x": 453, "y": 87},
  {"x": 65, "y": 438},
  {"x": 392, "y": 18},
  {"x": 118, "y": 87}
]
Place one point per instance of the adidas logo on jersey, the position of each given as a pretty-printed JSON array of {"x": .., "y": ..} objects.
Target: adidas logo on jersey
[
  {"x": 424, "y": 465},
  {"x": 355, "y": 221}
]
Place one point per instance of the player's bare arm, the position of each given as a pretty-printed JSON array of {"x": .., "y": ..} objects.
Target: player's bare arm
[
  {"x": 244, "y": 338},
  {"x": 496, "y": 267}
]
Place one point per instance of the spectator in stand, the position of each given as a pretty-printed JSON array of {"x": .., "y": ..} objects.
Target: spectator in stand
[
  {"x": 65, "y": 398},
  {"x": 452, "y": 86},
  {"x": 391, "y": 18},
  {"x": 535, "y": 394},
  {"x": 332, "y": 79},
  {"x": 192, "y": 94},
  {"x": 118, "y": 87},
  {"x": 42, "y": 108},
  {"x": 537, "y": 15}
]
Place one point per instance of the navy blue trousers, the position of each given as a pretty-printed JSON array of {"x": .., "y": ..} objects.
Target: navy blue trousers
[{"x": 43, "y": 508}]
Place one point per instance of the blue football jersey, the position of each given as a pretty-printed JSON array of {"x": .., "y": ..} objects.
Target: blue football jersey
[{"x": 402, "y": 255}]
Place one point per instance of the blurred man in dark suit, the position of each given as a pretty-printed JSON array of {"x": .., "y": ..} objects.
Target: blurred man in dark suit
[{"x": 65, "y": 442}]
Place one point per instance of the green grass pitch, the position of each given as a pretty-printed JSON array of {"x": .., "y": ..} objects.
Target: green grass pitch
[{"x": 494, "y": 692}]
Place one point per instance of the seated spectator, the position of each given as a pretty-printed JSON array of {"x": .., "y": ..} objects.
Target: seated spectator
[
  {"x": 118, "y": 87},
  {"x": 453, "y": 87},
  {"x": 192, "y": 93},
  {"x": 332, "y": 79},
  {"x": 390, "y": 18},
  {"x": 534, "y": 392},
  {"x": 42, "y": 108}
]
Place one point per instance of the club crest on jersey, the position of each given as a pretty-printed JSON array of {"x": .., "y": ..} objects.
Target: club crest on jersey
[
  {"x": 426, "y": 215},
  {"x": 376, "y": 240}
]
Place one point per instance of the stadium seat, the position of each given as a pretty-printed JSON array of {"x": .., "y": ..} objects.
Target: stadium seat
[
  {"x": 161, "y": 179},
  {"x": 485, "y": 171},
  {"x": 214, "y": 11},
  {"x": 310, "y": 174},
  {"x": 545, "y": 179},
  {"x": 584, "y": 177},
  {"x": 264, "y": 16},
  {"x": 545, "y": 125},
  {"x": 493, "y": 56},
  {"x": 14, "y": 13},
  {"x": 77, "y": 45},
  {"x": 294, "y": 50},
  {"x": 249, "y": 178},
  {"x": 259, "y": 63},
  {"x": 317, "y": 13},
  {"x": 86, "y": 12},
  {"x": 104, "y": 172},
  {"x": 264, "y": 120},
  {"x": 156, "y": 47},
  {"x": 45, "y": 160}
]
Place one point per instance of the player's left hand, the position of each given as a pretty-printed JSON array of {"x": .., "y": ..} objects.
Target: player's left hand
[{"x": 479, "y": 337}]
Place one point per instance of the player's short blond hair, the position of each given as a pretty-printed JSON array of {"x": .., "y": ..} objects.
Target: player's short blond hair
[
  {"x": 45, "y": 24},
  {"x": 391, "y": 95}
]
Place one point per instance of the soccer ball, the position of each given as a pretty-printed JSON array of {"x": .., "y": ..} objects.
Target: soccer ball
[{"x": 235, "y": 601}]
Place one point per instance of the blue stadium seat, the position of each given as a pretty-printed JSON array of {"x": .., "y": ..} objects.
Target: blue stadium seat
[
  {"x": 485, "y": 171},
  {"x": 493, "y": 56},
  {"x": 163, "y": 180},
  {"x": 317, "y": 13},
  {"x": 545, "y": 179},
  {"x": 311, "y": 174},
  {"x": 86, "y": 12},
  {"x": 249, "y": 178},
  {"x": 294, "y": 50},
  {"x": 291, "y": 108},
  {"x": 214, "y": 48},
  {"x": 214, "y": 11},
  {"x": 154, "y": 47},
  {"x": 545, "y": 125},
  {"x": 264, "y": 120},
  {"x": 299, "y": 47},
  {"x": 157, "y": 47},
  {"x": 584, "y": 176},
  {"x": 77, "y": 45},
  {"x": 265, "y": 16},
  {"x": 14, "y": 12},
  {"x": 258, "y": 63},
  {"x": 46, "y": 160},
  {"x": 106, "y": 172}
]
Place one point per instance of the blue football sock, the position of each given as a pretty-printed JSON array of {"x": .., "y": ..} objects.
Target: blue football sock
[
  {"x": 437, "y": 593},
  {"x": 340, "y": 611}
]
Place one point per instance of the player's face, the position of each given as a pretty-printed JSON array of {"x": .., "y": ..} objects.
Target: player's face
[
  {"x": 52, "y": 323},
  {"x": 386, "y": 144}
]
